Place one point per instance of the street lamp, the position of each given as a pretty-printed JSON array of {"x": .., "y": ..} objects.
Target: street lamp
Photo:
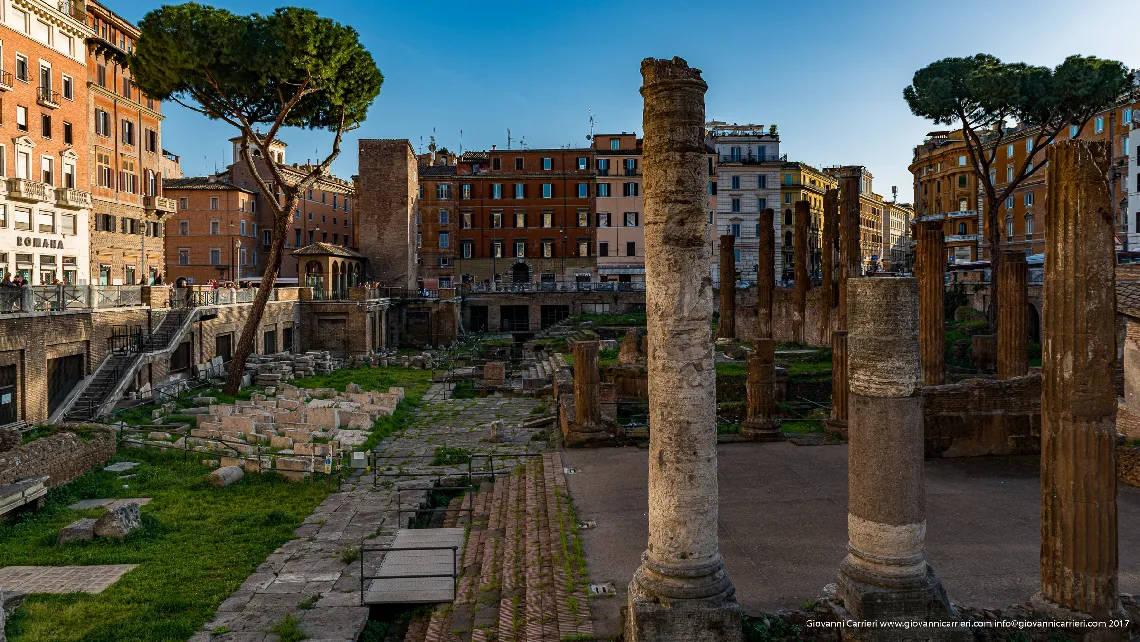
[{"x": 562, "y": 231}]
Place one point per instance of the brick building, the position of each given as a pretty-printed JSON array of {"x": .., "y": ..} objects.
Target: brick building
[
  {"x": 947, "y": 188},
  {"x": 512, "y": 216},
  {"x": 388, "y": 185},
  {"x": 223, "y": 225},
  {"x": 871, "y": 207},
  {"x": 802, "y": 182},
  {"x": 213, "y": 233},
  {"x": 44, "y": 199},
  {"x": 126, "y": 158}
]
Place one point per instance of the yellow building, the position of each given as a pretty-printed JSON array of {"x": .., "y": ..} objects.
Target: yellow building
[
  {"x": 802, "y": 182},
  {"x": 871, "y": 207}
]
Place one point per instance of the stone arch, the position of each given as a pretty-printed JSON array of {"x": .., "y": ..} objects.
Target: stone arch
[
  {"x": 1033, "y": 323},
  {"x": 520, "y": 272}
]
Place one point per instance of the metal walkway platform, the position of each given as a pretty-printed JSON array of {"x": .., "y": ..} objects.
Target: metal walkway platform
[{"x": 420, "y": 567}]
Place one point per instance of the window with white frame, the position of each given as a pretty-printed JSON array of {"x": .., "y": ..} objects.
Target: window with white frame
[
  {"x": 1099, "y": 124},
  {"x": 546, "y": 164},
  {"x": 583, "y": 218},
  {"x": 214, "y": 202},
  {"x": 444, "y": 240},
  {"x": 444, "y": 218},
  {"x": 547, "y": 190},
  {"x": 67, "y": 223},
  {"x": 520, "y": 249}
]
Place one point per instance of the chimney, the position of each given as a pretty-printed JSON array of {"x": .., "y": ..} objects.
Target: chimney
[
  {"x": 212, "y": 178},
  {"x": 494, "y": 147}
]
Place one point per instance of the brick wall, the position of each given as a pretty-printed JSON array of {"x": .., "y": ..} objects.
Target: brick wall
[
  {"x": 385, "y": 208},
  {"x": 983, "y": 417},
  {"x": 63, "y": 456}
]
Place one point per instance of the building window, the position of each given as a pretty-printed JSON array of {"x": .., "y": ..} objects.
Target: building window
[
  {"x": 22, "y": 219},
  {"x": 761, "y": 204},
  {"x": 603, "y": 166},
  {"x": 466, "y": 251},
  {"x": 1028, "y": 199},
  {"x": 962, "y": 181},
  {"x": 583, "y": 248},
  {"x": 1009, "y": 173},
  {"x": 183, "y": 256},
  {"x": 736, "y": 205},
  {"x": 215, "y": 256},
  {"x": 546, "y": 164},
  {"x": 496, "y": 190},
  {"x": 629, "y": 189},
  {"x": 184, "y": 228},
  {"x": 214, "y": 202},
  {"x": 735, "y": 182},
  {"x": 47, "y": 170},
  {"x": 583, "y": 218},
  {"x": 603, "y": 248},
  {"x": 444, "y": 218},
  {"x": 465, "y": 221},
  {"x": 46, "y": 221},
  {"x": 1009, "y": 203},
  {"x": 183, "y": 203},
  {"x": 151, "y": 141},
  {"x": 547, "y": 249},
  {"x": 464, "y": 193},
  {"x": 520, "y": 190},
  {"x": 520, "y": 249},
  {"x": 496, "y": 163},
  {"x": 1009, "y": 226},
  {"x": 631, "y": 219},
  {"x": 736, "y": 230},
  {"x": 67, "y": 133},
  {"x": 762, "y": 181},
  {"x": 548, "y": 219},
  {"x": 21, "y": 67},
  {"x": 1099, "y": 124},
  {"x": 215, "y": 227},
  {"x": 444, "y": 240},
  {"x": 615, "y": 143},
  {"x": 631, "y": 248},
  {"x": 603, "y": 219},
  {"x": 1009, "y": 151},
  {"x": 603, "y": 190},
  {"x": 128, "y": 132},
  {"x": 547, "y": 190},
  {"x": 21, "y": 118},
  {"x": 102, "y": 123},
  {"x": 961, "y": 161},
  {"x": 1028, "y": 226},
  {"x": 520, "y": 219},
  {"x": 961, "y": 228},
  {"x": 712, "y": 188},
  {"x": 442, "y": 192},
  {"x": 496, "y": 219}
]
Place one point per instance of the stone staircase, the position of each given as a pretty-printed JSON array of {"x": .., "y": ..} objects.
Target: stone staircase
[
  {"x": 538, "y": 375},
  {"x": 523, "y": 575}
]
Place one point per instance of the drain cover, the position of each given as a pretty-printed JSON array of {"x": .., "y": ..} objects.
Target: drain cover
[{"x": 602, "y": 590}]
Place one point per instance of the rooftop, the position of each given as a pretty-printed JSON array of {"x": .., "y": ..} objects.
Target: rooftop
[
  {"x": 327, "y": 249},
  {"x": 204, "y": 183}
]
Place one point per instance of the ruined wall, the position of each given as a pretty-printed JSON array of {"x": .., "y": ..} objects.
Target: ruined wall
[
  {"x": 385, "y": 206},
  {"x": 783, "y": 309},
  {"x": 630, "y": 382},
  {"x": 983, "y": 417},
  {"x": 575, "y": 302},
  {"x": 63, "y": 456},
  {"x": 418, "y": 323}
]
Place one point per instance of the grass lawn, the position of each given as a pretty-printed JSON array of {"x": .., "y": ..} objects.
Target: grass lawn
[
  {"x": 197, "y": 544},
  {"x": 414, "y": 382}
]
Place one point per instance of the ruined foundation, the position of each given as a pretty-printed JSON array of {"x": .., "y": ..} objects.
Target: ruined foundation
[
  {"x": 800, "y": 264},
  {"x": 681, "y": 591},
  {"x": 1013, "y": 332},
  {"x": 1079, "y": 564},
  {"x": 760, "y": 422},
  {"x": 885, "y": 575},
  {"x": 930, "y": 268}
]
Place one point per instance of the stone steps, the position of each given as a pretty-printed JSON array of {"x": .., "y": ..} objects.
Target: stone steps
[{"x": 514, "y": 585}]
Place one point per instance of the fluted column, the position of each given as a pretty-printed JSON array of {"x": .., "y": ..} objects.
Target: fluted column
[
  {"x": 850, "y": 262},
  {"x": 1079, "y": 563},
  {"x": 681, "y": 590},
  {"x": 726, "y": 329},
  {"x": 1013, "y": 331},
  {"x": 800, "y": 263},
  {"x": 930, "y": 268},
  {"x": 828, "y": 297},
  {"x": 885, "y": 575},
  {"x": 760, "y": 422},
  {"x": 765, "y": 273}
]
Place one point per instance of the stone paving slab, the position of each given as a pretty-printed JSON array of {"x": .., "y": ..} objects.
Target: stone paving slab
[
  {"x": 62, "y": 579},
  {"x": 121, "y": 466},
  {"x": 85, "y": 504}
]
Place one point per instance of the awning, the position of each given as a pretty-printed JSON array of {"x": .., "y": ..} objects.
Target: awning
[{"x": 617, "y": 269}]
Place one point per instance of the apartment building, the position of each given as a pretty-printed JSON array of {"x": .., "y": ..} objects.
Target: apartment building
[
  {"x": 213, "y": 233},
  {"x": 508, "y": 216},
  {"x": 223, "y": 226},
  {"x": 620, "y": 216},
  {"x": 748, "y": 165},
  {"x": 126, "y": 158},
  {"x": 947, "y": 188},
  {"x": 45, "y": 204},
  {"x": 896, "y": 236},
  {"x": 801, "y": 182}
]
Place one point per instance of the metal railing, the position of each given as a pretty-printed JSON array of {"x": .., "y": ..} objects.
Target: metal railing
[
  {"x": 750, "y": 158},
  {"x": 454, "y": 575},
  {"x": 585, "y": 286},
  {"x": 116, "y": 296},
  {"x": 55, "y": 298},
  {"x": 468, "y": 491}
]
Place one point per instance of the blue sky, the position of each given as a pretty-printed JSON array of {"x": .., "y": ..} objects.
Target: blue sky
[{"x": 829, "y": 73}]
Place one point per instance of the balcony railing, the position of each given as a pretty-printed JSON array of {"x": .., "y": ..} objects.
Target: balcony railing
[
  {"x": 962, "y": 238},
  {"x": 586, "y": 286},
  {"x": 27, "y": 190},
  {"x": 72, "y": 198},
  {"x": 751, "y": 159},
  {"x": 929, "y": 217},
  {"x": 159, "y": 204},
  {"x": 5, "y": 80},
  {"x": 48, "y": 98},
  {"x": 963, "y": 213}
]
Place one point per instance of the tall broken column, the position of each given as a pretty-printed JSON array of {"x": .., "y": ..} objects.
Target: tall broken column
[
  {"x": 885, "y": 575},
  {"x": 760, "y": 421},
  {"x": 726, "y": 329},
  {"x": 828, "y": 298},
  {"x": 930, "y": 268},
  {"x": 765, "y": 273},
  {"x": 587, "y": 427},
  {"x": 800, "y": 263},
  {"x": 681, "y": 590},
  {"x": 1079, "y": 563},
  {"x": 850, "y": 262},
  {"x": 1013, "y": 316}
]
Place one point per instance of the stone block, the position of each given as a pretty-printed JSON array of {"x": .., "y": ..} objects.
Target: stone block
[
  {"x": 239, "y": 424},
  {"x": 158, "y": 436},
  {"x": 280, "y": 442},
  {"x": 81, "y": 530},
  {"x": 359, "y": 420},
  {"x": 293, "y": 464},
  {"x": 225, "y": 475},
  {"x": 119, "y": 521},
  {"x": 323, "y": 417}
]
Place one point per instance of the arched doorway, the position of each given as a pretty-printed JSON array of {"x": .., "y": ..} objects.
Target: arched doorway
[
  {"x": 520, "y": 273},
  {"x": 1033, "y": 324},
  {"x": 334, "y": 282}
]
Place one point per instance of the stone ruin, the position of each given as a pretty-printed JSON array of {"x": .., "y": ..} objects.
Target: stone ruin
[
  {"x": 288, "y": 429},
  {"x": 272, "y": 369}
]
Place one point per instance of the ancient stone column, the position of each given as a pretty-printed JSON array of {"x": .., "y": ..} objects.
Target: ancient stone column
[
  {"x": 827, "y": 243},
  {"x": 760, "y": 422},
  {"x": 587, "y": 426},
  {"x": 681, "y": 591},
  {"x": 1013, "y": 331},
  {"x": 850, "y": 263},
  {"x": 800, "y": 263},
  {"x": 930, "y": 268},
  {"x": 765, "y": 273},
  {"x": 885, "y": 575},
  {"x": 1079, "y": 564},
  {"x": 727, "y": 327}
]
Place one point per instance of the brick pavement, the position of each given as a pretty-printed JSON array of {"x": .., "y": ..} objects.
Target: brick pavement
[{"x": 61, "y": 579}]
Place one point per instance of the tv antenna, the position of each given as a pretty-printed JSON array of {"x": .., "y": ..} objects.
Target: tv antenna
[
  {"x": 590, "y": 136},
  {"x": 461, "y": 142},
  {"x": 508, "y": 138},
  {"x": 522, "y": 143}
]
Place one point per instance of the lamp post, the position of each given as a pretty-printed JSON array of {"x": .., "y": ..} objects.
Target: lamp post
[{"x": 562, "y": 231}]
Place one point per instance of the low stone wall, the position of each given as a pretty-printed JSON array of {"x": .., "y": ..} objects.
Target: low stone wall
[
  {"x": 782, "y": 307},
  {"x": 983, "y": 417},
  {"x": 9, "y": 439},
  {"x": 63, "y": 456},
  {"x": 630, "y": 382}
]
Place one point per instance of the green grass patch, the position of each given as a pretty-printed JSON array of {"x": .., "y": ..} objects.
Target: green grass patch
[
  {"x": 731, "y": 368},
  {"x": 197, "y": 544},
  {"x": 808, "y": 368},
  {"x": 289, "y": 629},
  {"x": 450, "y": 456},
  {"x": 607, "y": 357},
  {"x": 464, "y": 389},
  {"x": 540, "y": 409},
  {"x": 801, "y": 427}
]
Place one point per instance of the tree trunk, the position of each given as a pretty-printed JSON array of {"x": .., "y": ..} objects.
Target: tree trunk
[
  {"x": 253, "y": 322},
  {"x": 994, "y": 234}
]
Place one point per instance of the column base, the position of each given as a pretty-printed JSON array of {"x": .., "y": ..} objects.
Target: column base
[
  {"x": 761, "y": 430},
  {"x": 920, "y": 599},
  {"x": 711, "y": 619},
  {"x": 836, "y": 428},
  {"x": 581, "y": 436}
]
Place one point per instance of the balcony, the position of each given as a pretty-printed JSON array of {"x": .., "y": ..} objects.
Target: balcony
[
  {"x": 751, "y": 159},
  {"x": 23, "y": 189},
  {"x": 962, "y": 238},
  {"x": 963, "y": 214},
  {"x": 159, "y": 204},
  {"x": 72, "y": 198},
  {"x": 47, "y": 98},
  {"x": 5, "y": 80}
]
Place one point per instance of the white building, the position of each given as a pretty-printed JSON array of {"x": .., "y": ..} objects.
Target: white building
[
  {"x": 748, "y": 181},
  {"x": 43, "y": 232}
]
